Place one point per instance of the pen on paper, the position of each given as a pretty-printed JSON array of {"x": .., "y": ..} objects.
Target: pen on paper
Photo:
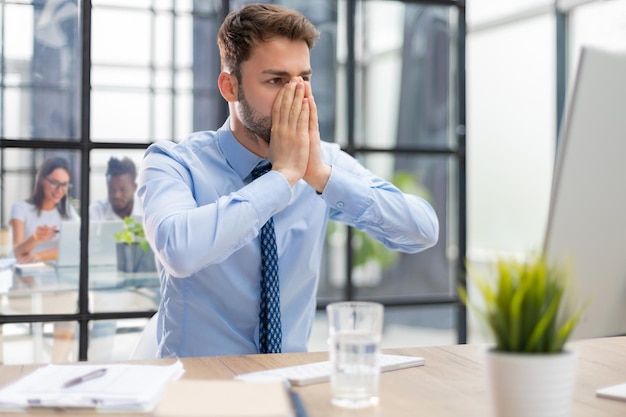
[{"x": 87, "y": 377}]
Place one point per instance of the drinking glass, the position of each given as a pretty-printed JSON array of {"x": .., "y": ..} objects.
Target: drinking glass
[{"x": 355, "y": 331}]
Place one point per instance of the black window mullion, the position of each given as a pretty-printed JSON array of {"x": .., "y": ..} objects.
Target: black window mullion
[
  {"x": 85, "y": 140},
  {"x": 462, "y": 173}
]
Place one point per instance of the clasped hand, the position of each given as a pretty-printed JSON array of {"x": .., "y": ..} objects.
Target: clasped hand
[{"x": 294, "y": 148}]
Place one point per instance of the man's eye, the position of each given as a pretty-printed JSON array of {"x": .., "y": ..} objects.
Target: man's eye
[{"x": 275, "y": 81}]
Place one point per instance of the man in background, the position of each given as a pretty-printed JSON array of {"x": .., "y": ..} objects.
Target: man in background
[{"x": 121, "y": 177}]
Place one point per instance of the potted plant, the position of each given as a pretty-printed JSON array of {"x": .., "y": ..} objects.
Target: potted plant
[
  {"x": 528, "y": 308},
  {"x": 133, "y": 251}
]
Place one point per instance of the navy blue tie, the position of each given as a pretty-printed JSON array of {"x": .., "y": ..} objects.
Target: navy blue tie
[{"x": 270, "y": 331}]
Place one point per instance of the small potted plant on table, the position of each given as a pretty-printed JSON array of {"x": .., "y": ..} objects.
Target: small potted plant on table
[
  {"x": 133, "y": 251},
  {"x": 530, "y": 371}
]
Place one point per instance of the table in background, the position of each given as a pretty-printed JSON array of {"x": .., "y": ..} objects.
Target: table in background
[
  {"x": 450, "y": 384},
  {"x": 55, "y": 291}
]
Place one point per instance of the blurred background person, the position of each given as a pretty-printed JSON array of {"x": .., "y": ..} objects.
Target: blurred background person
[
  {"x": 36, "y": 222},
  {"x": 121, "y": 202},
  {"x": 121, "y": 177}
]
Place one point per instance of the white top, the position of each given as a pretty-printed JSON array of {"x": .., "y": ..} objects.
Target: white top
[
  {"x": 102, "y": 210},
  {"x": 27, "y": 213}
]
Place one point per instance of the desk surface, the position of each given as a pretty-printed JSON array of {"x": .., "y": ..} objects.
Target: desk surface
[
  {"x": 49, "y": 279},
  {"x": 450, "y": 384}
]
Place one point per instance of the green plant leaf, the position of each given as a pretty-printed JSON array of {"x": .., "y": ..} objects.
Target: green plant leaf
[
  {"x": 540, "y": 338},
  {"x": 524, "y": 306},
  {"x": 133, "y": 232},
  {"x": 565, "y": 331}
]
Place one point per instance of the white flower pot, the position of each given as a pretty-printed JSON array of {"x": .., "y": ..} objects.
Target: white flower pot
[{"x": 531, "y": 385}]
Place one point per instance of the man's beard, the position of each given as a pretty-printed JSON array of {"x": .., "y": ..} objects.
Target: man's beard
[
  {"x": 121, "y": 210},
  {"x": 259, "y": 125}
]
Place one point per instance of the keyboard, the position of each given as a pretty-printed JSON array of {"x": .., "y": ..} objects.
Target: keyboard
[{"x": 313, "y": 373}]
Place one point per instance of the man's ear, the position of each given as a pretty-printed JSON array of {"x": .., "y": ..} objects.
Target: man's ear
[{"x": 227, "y": 83}]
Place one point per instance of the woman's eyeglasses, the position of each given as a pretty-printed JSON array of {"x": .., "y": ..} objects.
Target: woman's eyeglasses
[{"x": 58, "y": 185}]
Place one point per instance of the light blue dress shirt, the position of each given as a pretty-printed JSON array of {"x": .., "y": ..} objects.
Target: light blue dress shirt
[{"x": 203, "y": 214}]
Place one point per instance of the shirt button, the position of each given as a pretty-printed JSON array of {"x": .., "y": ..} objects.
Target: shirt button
[{"x": 340, "y": 204}]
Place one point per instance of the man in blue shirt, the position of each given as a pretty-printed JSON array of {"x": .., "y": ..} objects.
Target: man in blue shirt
[{"x": 203, "y": 210}]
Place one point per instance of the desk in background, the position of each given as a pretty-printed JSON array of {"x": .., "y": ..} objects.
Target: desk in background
[
  {"x": 451, "y": 383},
  {"x": 55, "y": 291}
]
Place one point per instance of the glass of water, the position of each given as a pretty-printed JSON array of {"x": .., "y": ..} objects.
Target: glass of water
[{"x": 355, "y": 331}]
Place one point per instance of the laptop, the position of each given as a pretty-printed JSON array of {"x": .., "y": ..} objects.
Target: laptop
[{"x": 102, "y": 243}]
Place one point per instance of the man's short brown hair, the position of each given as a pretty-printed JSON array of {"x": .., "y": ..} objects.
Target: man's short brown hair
[{"x": 245, "y": 28}]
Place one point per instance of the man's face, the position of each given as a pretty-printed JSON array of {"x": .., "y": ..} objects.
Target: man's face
[
  {"x": 271, "y": 65},
  {"x": 121, "y": 192}
]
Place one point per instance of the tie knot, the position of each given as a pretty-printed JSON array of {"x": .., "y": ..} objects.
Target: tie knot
[{"x": 261, "y": 169}]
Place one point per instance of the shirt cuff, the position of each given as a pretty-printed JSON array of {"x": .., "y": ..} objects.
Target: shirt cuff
[
  {"x": 354, "y": 202},
  {"x": 269, "y": 194}
]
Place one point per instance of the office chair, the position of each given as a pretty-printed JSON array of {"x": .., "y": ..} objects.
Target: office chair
[{"x": 146, "y": 347}]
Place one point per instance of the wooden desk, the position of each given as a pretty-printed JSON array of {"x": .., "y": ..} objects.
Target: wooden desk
[{"x": 450, "y": 384}]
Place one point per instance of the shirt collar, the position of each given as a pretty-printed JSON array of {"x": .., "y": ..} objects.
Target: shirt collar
[{"x": 237, "y": 156}]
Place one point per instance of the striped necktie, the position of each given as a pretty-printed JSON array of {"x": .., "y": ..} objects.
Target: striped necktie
[{"x": 270, "y": 332}]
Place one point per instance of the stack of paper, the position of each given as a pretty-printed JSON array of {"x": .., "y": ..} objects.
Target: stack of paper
[
  {"x": 6, "y": 263},
  {"x": 115, "y": 387}
]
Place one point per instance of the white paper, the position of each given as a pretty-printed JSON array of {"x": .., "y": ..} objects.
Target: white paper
[
  {"x": 33, "y": 266},
  {"x": 124, "y": 387},
  {"x": 6, "y": 263},
  {"x": 614, "y": 392}
]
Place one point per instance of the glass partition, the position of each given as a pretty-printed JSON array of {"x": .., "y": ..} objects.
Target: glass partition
[
  {"x": 406, "y": 74},
  {"x": 378, "y": 272},
  {"x": 387, "y": 90},
  {"x": 40, "y": 76}
]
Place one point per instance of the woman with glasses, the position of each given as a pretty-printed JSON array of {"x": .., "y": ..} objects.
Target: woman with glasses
[{"x": 36, "y": 221}]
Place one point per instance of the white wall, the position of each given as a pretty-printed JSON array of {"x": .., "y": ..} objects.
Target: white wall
[{"x": 511, "y": 113}]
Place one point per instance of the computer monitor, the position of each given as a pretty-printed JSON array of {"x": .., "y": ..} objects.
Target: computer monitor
[{"x": 587, "y": 217}]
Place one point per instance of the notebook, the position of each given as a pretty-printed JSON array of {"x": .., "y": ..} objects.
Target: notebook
[
  {"x": 101, "y": 243},
  {"x": 117, "y": 387}
]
